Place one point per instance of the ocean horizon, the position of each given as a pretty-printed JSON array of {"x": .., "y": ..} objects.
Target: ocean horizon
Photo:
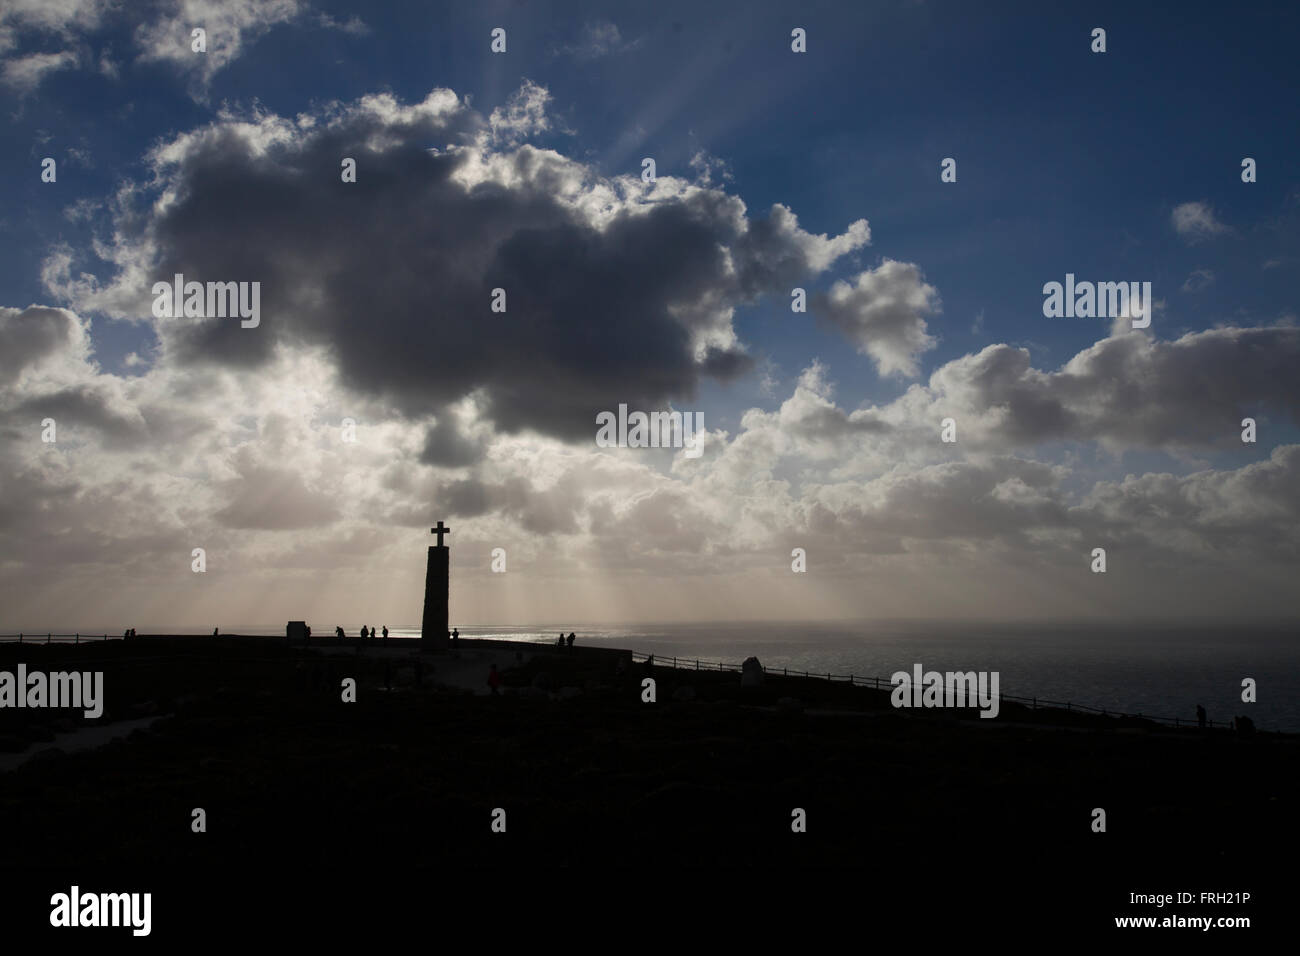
[{"x": 1159, "y": 670}]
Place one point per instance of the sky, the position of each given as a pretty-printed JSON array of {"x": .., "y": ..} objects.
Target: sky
[{"x": 308, "y": 452}]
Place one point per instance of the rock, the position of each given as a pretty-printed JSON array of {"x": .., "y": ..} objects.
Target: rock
[
  {"x": 684, "y": 693},
  {"x": 751, "y": 673}
]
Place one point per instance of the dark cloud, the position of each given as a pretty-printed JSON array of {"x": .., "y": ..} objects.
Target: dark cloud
[
  {"x": 539, "y": 511},
  {"x": 609, "y": 299},
  {"x": 90, "y": 406},
  {"x": 1251, "y": 514},
  {"x": 274, "y": 500},
  {"x": 446, "y": 447},
  {"x": 1135, "y": 390},
  {"x": 829, "y": 421},
  {"x": 31, "y": 334}
]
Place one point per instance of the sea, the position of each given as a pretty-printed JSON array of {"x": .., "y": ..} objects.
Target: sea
[{"x": 1158, "y": 670}]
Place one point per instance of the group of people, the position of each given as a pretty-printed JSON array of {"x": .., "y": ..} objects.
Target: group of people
[
  {"x": 565, "y": 641},
  {"x": 366, "y": 632},
  {"x": 1243, "y": 725}
]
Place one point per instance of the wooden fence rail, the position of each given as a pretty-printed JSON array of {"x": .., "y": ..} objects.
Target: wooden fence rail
[
  {"x": 883, "y": 683},
  {"x": 48, "y": 638}
]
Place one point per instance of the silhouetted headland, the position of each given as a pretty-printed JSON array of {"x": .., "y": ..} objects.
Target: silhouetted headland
[{"x": 255, "y": 730}]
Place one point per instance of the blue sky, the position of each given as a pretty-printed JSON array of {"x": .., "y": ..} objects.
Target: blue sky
[{"x": 1067, "y": 161}]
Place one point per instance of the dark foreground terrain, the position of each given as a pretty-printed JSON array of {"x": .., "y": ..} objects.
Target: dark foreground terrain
[{"x": 301, "y": 787}]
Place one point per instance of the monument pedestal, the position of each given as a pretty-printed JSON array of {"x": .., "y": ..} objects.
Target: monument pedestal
[{"x": 437, "y": 590}]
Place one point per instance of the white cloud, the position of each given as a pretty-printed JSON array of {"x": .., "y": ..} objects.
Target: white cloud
[
  {"x": 1195, "y": 221},
  {"x": 25, "y": 73},
  {"x": 229, "y": 25},
  {"x": 882, "y": 313},
  {"x": 251, "y": 466},
  {"x": 598, "y": 38},
  {"x": 525, "y": 114},
  {"x": 163, "y": 36}
]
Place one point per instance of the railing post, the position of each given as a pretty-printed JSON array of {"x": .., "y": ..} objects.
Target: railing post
[
  {"x": 48, "y": 635},
  {"x": 76, "y": 638},
  {"x": 697, "y": 663}
]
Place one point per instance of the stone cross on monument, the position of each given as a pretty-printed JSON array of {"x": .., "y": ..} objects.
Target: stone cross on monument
[{"x": 437, "y": 589}]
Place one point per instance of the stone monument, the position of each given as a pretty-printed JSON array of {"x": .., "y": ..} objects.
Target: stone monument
[{"x": 437, "y": 590}]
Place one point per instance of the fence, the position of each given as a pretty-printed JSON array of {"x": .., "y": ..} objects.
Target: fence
[
  {"x": 49, "y": 638},
  {"x": 883, "y": 683}
]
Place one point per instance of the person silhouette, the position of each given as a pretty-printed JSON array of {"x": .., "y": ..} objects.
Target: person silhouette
[
  {"x": 455, "y": 635},
  {"x": 1200, "y": 716},
  {"x": 364, "y": 632},
  {"x": 385, "y": 632},
  {"x": 338, "y": 631},
  {"x": 215, "y": 631},
  {"x": 494, "y": 678},
  {"x": 559, "y": 642},
  {"x": 571, "y": 639}
]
